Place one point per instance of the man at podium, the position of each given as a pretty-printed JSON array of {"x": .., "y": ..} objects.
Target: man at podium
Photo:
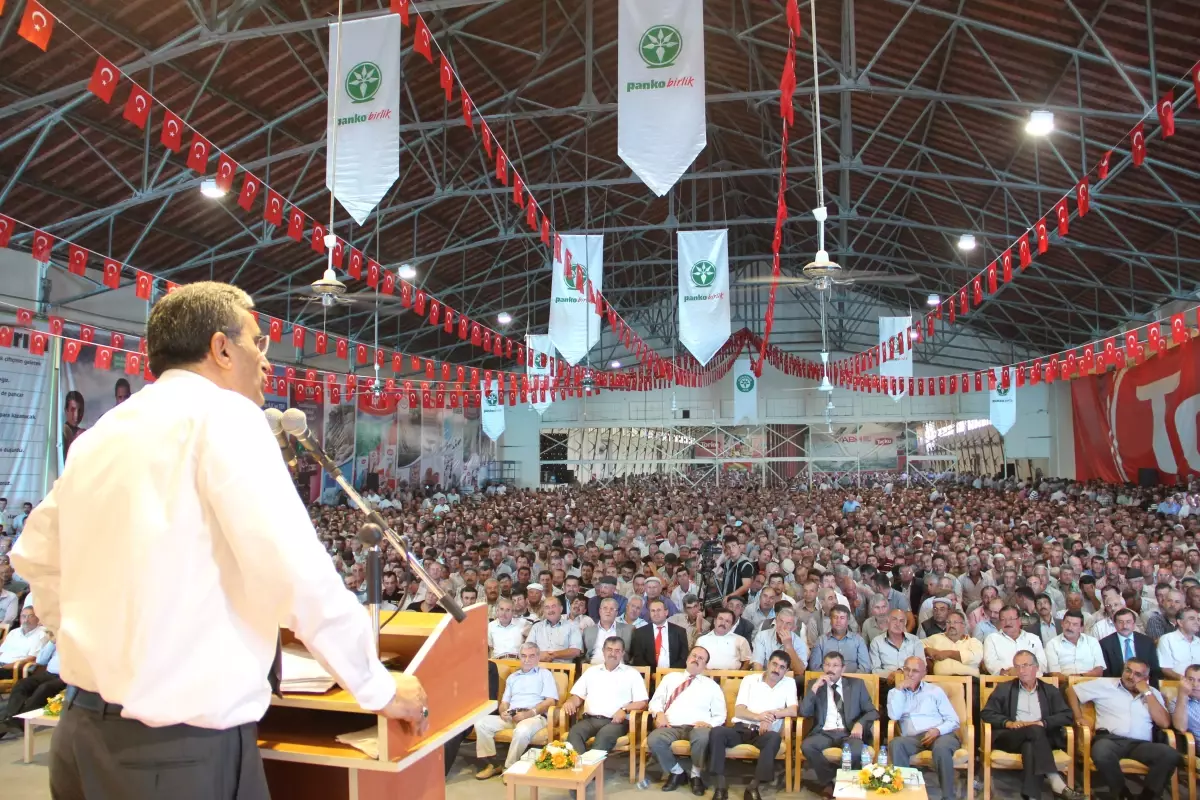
[{"x": 177, "y": 509}]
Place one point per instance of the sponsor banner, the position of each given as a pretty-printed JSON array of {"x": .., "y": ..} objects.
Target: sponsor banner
[
  {"x": 24, "y": 425},
  {"x": 88, "y": 392},
  {"x": 574, "y": 325},
  {"x": 537, "y": 345},
  {"x": 901, "y": 365},
  {"x": 704, "y": 322},
  {"x": 339, "y": 442},
  {"x": 745, "y": 393},
  {"x": 872, "y": 446},
  {"x": 1002, "y": 407},
  {"x": 492, "y": 410},
  {"x": 366, "y": 117},
  {"x": 1141, "y": 416},
  {"x": 660, "y": 92}
]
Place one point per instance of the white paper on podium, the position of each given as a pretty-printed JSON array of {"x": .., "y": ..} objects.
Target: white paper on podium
[
  {"x": 366, "y": 740},
  {"x": 303, "y": 673}
]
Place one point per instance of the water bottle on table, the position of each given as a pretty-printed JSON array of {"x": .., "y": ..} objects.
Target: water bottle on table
[
  {"x": 846, "y": 755},
  {"x": 882, "y": 760}
]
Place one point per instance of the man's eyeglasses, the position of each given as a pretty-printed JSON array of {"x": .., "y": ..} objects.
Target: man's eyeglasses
[{"x": 262, "y": 342}]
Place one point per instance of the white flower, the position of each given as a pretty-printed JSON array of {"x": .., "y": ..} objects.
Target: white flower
[{"x": 876, "y": 770}]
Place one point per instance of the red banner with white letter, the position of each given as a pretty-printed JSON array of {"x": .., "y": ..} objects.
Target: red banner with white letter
[{"x": 1140, "y": 417}]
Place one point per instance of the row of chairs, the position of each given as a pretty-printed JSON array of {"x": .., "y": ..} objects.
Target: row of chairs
[{"x": 959, "y": 690}]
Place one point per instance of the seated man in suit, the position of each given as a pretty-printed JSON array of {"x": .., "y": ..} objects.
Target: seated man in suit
[
  {"x": 686, "y": 705},
  {"x": 1127, "y": 643},
  {"x": 608, "y": 626},
  {"x": 927, "y": 722},
  {"x": 763, "y": 700},
  {"x": 659, "y": 644},
  {"x": 528, "y": 695},
  {"x": 1046, "y": 626},
  {"x": 1028, "y": 716},
  {"x": 607, "y": 694},
  {"x": 841, "y": 710}
]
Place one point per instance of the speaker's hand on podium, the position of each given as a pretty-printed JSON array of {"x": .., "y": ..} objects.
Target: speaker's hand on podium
[{"x": 408, "y": 705}]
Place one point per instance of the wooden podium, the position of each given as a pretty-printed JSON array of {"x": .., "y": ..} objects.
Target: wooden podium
[{"x": 297, "y": 737}]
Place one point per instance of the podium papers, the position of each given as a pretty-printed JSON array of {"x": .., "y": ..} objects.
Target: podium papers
[{"x": 302, "y": 673}]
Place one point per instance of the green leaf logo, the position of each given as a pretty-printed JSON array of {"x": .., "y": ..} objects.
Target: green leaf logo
[
  {"x": 703, "y": 273},
  {"x": 745, "y": 383},
  {"x": 660, "y": 46},
  {"x": 363, "y": 82}
]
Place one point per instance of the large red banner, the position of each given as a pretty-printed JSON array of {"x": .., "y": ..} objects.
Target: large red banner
[{"x": 1138, "y": 417}]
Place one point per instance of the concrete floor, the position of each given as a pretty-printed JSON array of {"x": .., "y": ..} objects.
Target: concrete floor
[{"x": 30, "y": 781}]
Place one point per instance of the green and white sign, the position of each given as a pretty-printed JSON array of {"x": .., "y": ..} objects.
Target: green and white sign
[
  {"x": 536, "y": 346},
  {"x": 574, "y": 324},
  {"x": 1002, "y": 408},
  {"x": 363, "y": 113},
  {"x": 660, "y": 92},
  {"x": 745, "y": 393},
  {"x": 491, "y": 410},
  {"x": 901, "y": 366},
  {"x": 704, "y": 320}
]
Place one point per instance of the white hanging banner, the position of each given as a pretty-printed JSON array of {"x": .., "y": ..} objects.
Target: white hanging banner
[
  {"x": 660, "y": 92},
  {"x": 900, "y": 365},
  {"x": 575, "y": 325},
  {"x": 492, "y": 410},
  {"x": 537, "y": 346},
  {"x": 745, "y": 393},
  {"x": 366, "y": 119},
  {"x": 704, "y": 323},
  {"x": 1002, "y": 408}
]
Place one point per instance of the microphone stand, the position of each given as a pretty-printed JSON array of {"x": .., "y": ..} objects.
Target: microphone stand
[{"x": 376, "y": 526}]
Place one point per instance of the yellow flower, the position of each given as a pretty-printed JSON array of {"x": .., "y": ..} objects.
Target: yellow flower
[{"x": 559, "y": 760}]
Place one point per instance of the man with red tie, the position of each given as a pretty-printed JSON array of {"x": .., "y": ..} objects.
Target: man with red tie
[{"x": 661, "y": 643}]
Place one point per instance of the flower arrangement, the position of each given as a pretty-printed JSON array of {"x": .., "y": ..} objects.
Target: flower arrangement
[
  {"x": 557, "y": 755},
  {"x": 54, "y": 705},
  {"x": 885, "y": 780}
]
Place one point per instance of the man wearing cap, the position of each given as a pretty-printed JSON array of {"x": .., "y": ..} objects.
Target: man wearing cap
[
  {"x": 605, "y": 587},
  {"x": 937, "y": 619},
  {"x": 654, "y": 590}
]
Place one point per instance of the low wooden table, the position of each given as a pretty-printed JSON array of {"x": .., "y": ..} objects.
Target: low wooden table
[
  {"x": 564, "y": 779},
  {"x": 33, "y": 720},
  {"x": 907, "y": 793}
]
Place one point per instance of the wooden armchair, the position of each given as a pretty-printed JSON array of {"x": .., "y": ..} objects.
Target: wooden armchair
[
  {"x": 564, "y": 674},
  {"x": 1128, "y": 765},
  {"x": 1170, "y": 691},
  {"x": 958, "y": 691},
  {"x": 625, "y": 744},
  {"x": 1064, "y": 760},
  {"x": 834, "y": 754},
  {"x": 730, "y": 684},
  {"x": 14, "y": 672}
]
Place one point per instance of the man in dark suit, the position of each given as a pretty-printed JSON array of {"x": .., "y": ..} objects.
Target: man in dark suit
[
  {"x": 1029, "y": 716},
  {"x": 1127, "y": 643},
  {"x": 650, "y": 641},
  {"x": 841, "y": 710},
  {"x": 1045, "y": 627}
]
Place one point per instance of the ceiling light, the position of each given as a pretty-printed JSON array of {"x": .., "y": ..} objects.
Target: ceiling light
[
  {"x": 615, "y": 365},
  {"x": 1041, "y": 122},
  {"x": 966, "y": 242},
  {"x": 932, "y": 300},
  {"x": 504, "y": 318},
  {"x": 209, "y": 188},
  {"x": 408, "y": 272}
]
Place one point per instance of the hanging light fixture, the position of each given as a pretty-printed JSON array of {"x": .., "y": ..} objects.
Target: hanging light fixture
[
  {"x": 615, "y": 365},
  {"x": 504, "y": 318},
  {"x": 825, "y": 386},
  {"x": 966, "y": 242},
  {"x": 209, "y": 188},
  {"x": 1041, "y": 122},
  {"x": 407, "y": 272},
  {"x": 932, "y": 300}
]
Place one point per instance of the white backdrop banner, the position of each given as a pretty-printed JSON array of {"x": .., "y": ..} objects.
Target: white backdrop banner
[
  {"x": 25, "y": 423},
  {"x": 704, "y": 323},
  {"x": 574, "y": 325},
  {"x": 1002, "y": 408},
  {"x": 537, "y": 345},
  {"x": 660, "y": 93},
  {"x": 901, "y": 366},
  {"x": 745, "y": 393},
  {"x": 366, "y": 118},
  {"x": 492, "y": 410}
]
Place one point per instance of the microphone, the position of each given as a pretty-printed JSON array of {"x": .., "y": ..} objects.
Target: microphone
[{"x": 275, "y": 420}]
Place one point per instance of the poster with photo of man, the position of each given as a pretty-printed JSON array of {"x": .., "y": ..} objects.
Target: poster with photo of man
[{"x": 87, "y": 391}]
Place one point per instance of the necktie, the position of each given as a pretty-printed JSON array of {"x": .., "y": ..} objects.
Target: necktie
[
  {"x": 682, "y": 688},
  {"x": 837, "y": 703},
  {"x": 1128, "y": 647},
  {"x": 657, "y": 643},
  {"x": 275, "y": 674}
]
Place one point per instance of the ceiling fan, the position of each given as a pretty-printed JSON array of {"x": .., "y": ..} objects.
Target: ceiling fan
[{"x": 330, "y": 291}]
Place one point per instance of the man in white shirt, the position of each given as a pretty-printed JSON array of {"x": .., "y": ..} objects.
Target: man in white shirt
[
  {"x": 1000, "y": 647},
  {"x": 529, "y": 693},
  {"x": 953, "y": 652},
  {"x": 763, "y": 701},
  {"x": 1073, "y": 652},
  {"x": 505, "y": 634},
  {"x": 726, "y": 649},
  {"x": 23, "y": 642},
  {"x": 607, "y": 693},
  {"x": 187, "y": 474},
  {"x": 10, "y": 606},
  {"x": 1180, "y": 649},
  {"x": 686, "y": 705}
]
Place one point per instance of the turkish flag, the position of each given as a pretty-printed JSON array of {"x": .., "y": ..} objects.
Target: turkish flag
[
  {"x": 977, "y": 290},
  {"x": 963, "y": 308},
  {"x": 1179, "y": 329},
  {"x": 36, "y": 25},
  {"x": 466, "y": 108},
  {"x": 342, "y": 349},
  {"x": 77, "y": 260},
  {"x": 419, "y": 302},
  {"x": 448, "y": 313},
  {"x": 1082, "y": 197},
  {"x": 463, "y": 324},
  {"x": 531, "y": 214},
  {"x": 142, "y": 286},
  {"x": 104, "y": 357},
  {"x": 1088, "y": 362},
  {"x": 389, "y": 280},
  {"x": 787, "y": 88},
  {"x": 1166, "y": 113},
  {"x": 545, "y": 230},
  {"x": 416, "y": 362},
  {"x": 112, "y": 274},
  {"x": 198, "y": 151},
  {"x": 137, "y": 107},
  {"x": 446, "y": 77},
  {"x": 56, "y": 325},
  {"x": 6, "y": 336},
  {"x": 360, "y": 353},
  {"x": 250, "y": 187},
  {"x": 322, "y": 343},
  {"x": 1023, "y": 253},
  {"x": 88, "y": 334},
  {"x": 501, "y": 166},
  {"x": 37, "y": 343},
  {"x": 1110, "y": 353},
  {"x": 71, "y": 350},
  {"x": 356, "y": 260},
  {"x": 117, "y": 340},
  {"x": 273, "y": 210},
  {"x": 401, "y": 7},
  {"x": 6, "y": 230},
  {"x": 1102, "y": 167},
  {"x": 339, "y": 248},
  {"x": 40, "y": 249},
  {"x": 476, "y": 334},
  {"x": 104, "y": 79},
  {"x": 435, "y": 311},
  {"x": 518, "y": 193},
  {"x": 429, "y": 368},
  {"x": 405, "y": 294},
  {"x": 295, "y": 224},
  {"x": 1062, "y": 216},
  {"x": 991, "y": 277},
  {"x": 133, "y": 363},
  {"x": 380, "y": 357},
  {"x": 1043, "y": 236},
  {"x": 275, "y": 330},
  {"x": 422, "y": 40},
  {"x": 372, "y": 273},
  {"x": 487, "y": 137},
  {"x": 172, "y": 132},
  {"x": 317, "y": 240},
  {"x": 24, "y": 317},
  {"x": 1154, "y": 337},
  {"x": 298, "y": 337},
  {"x": 1137, "y": 144}
]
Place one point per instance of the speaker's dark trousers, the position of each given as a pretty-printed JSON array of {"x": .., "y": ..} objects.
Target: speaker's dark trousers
[{"x": 724, "y": 737}]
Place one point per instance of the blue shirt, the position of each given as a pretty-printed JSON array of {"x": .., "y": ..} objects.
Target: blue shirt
[
  {"x": 767, "y": 642},
  {"x": 1193, "y": 714},
  {"x": 852, "y": 647},
  {"x": 850, "y": 506},
  {"x": 984, "y": 629},
  {"x": 526, "y": 689},
  {"x": 927, "y": 707},
  {"x": 48, "y": 657}
]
